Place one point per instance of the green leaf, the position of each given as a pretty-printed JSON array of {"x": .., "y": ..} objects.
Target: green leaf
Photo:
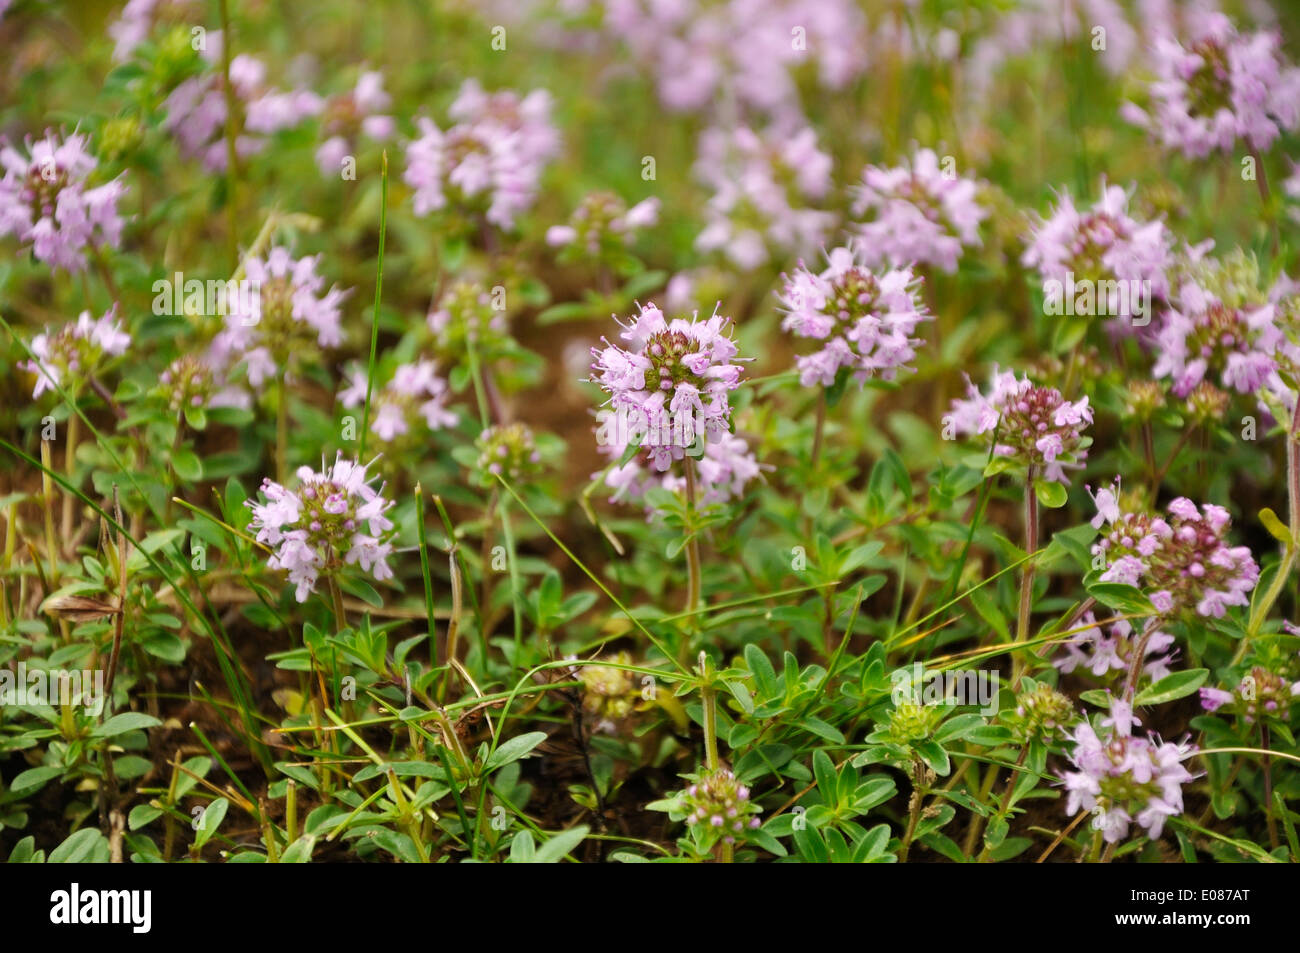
[
  {"x": 121, "y": 724},
  {"x": 87, "y": 846},
  {"x": 1050, "y": 493},
  {"x": 1172, "y": 687},
  {"x": 555, "y": 849},
  {"x": 210, "y": 820},
  {"x": 187, "y": 465},
  {"x": 299, "y": 852},
  {"x": 33, "y": 779},
  {"x": 514, "y": 749}
]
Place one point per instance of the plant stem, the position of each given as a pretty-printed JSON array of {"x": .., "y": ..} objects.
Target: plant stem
[
  {"x": 708, "y": 695},
  {"x": 1267, "y": 765},
  {"x": 70, "y": 465},
  {"x": 818, "y": 431},
  {"x": 692, "y": 546},
  {"x": 282, "y": 431},
  {"x": 340, "y": 613},
  {"x": 1139, "y": 653},
  {"x": 1027, "y": 574}
]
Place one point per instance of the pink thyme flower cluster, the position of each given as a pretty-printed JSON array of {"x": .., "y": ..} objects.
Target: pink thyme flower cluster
[
  {"x": 761, "y": 185},
  {"x": 466, "y": 315},
  {"x": 1217, "y": 322},
  {"x": 1219, "y": 87},
  {"x": 1122, "y": 778},
  {"x": 196, "y": 109},
  {"x": 285, "y": 320},
  {"x": 866, "y": 323},
  {"x": 72, "y": 354},
  {"x": 668, "y": 369},
  {"x": 1101, "y": 244},
  {"x": 1035, "y": 426},
  {"x": 44, "y": 201},
  {"x": 1183, "y": 562},
  {"x": 1260, "y": 694},
  {"x": 197, "y": 382},
  {"x": 491, "y": 160},
  {"x": 740, "y": 51},
  {"x": 723, "y": 470},
  {"x": 603, "y": 225},
  {"x": 508, "y": 451},
  {"x": 918, "y": 214},
  {"x": 1103, "y": 654},
  {"x": 414, "y": 395},
  {"x": 348, "y": 116},
  {"x": 335, "y": 518},
  {"x": 718, "y": 804}
]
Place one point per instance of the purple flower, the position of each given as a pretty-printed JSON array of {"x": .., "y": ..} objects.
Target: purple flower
[
  {"x": 334, "y": 519},
  {"x": 198, "y": 382},
  {"x": 491, "y": 160},
  {"x": 1218, "y": 323},
  {"x": 414, "y": 396},
  {"x": 865, "y": 322},
  {"x": 1036, "y": 426},
  {"x": 667, "y": 372},
  {"x": 1183, "y": 562},
  {"x": 1122, "y": 778},
  {"x": 1261, "y": 693},
  {"x": 761, "y": 185},
  {"x": 351, "y": 115},
  {"x": 1102, "y": 244},
  {"x": 1104, "y": 654},
  {"x": 918, "y": 213},
  {"x": 45, "y": 202},
  {"x": 72, "y": 354},
  {"x": 196, "y": 109},
  {"x": 1219, "y": 87},
  {"x": 288, "y": 317},
  {"x": 602, "y": 226}
]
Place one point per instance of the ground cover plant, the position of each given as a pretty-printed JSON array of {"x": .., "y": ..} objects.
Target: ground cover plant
[{"x": 642, "y": 431}]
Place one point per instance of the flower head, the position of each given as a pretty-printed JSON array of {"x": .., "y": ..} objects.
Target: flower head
[
  {"x": 287, "y": 319},
  {"x": 334, "y": 518},
  {"x": 413, "y": 399},
  {"x": 489, "y": 161},
  {"x": 1261, "y": 693},
  {"x": 1182, "y": 561},
  {"x": 602, "y": 226},
  {"x": 69, "y": 356},
  {"x": 507, "y": 451},
  {"x": 351, "y": 115},
  {"x": 45, "y": 201},
  {"x": 1220, "y": 323},
  {"x": 918, "y": 214},
  {"x": 196, "y": 109},
  {"x": 865, "y": 322},
  {"x": 1036, "y": 426},
  {"x": 1102, "y": 245},
  {"x": 761, "y": 185},
  {"x": 1103, "y": 654},
  {"x": 1121, "y": 778},
  {"x": 669, "y": 371},
  {"x": 1219, "y": 87},
  {"x": 195, "y": 382},
  {"x": 718, "y": 807}
]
